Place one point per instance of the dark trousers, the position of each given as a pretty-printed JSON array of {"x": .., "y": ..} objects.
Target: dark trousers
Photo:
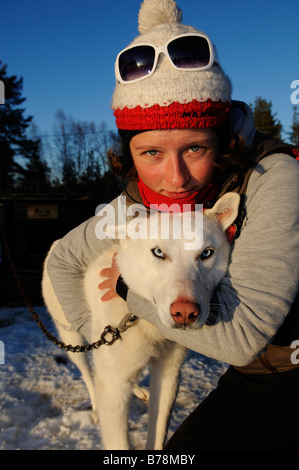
[{"x": 244, "y": 412}]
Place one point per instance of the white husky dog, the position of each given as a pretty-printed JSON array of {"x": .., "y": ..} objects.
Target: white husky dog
[{"x": 180, "y": 283}]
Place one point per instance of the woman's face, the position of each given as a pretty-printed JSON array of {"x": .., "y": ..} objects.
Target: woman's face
[{"x": 176, "y": 162}]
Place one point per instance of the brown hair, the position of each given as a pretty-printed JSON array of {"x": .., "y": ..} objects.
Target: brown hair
[{"x": 120, "y": 159}]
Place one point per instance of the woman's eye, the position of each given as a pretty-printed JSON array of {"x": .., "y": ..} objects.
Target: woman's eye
[
  {"x": 195, "y": 148},
  {"x": 158, "y": 252},
  {"x": 152, "y": 153},
  {"x": 207, "y": 253}
]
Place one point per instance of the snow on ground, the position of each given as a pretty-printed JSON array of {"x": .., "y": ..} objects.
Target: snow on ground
[{"x": 44, "y": 404}]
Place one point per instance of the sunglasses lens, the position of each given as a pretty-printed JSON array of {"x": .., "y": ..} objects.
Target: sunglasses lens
[
  {"x": 189, "y": 52},
  {"x": 136, "y": 62}
]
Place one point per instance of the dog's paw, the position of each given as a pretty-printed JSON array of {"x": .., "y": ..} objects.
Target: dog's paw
[
  {"x": 141, "y": 392},
  {"x": 94, "y": 417}
]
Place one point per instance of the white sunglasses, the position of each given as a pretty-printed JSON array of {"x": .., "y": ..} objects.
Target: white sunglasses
[{"x": 193, "y": 51}]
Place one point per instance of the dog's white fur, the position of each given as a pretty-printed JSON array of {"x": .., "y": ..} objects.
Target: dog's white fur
[{"x": 162, "y": 280}]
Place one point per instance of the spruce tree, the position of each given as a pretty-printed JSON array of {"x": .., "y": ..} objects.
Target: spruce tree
[
  {"x": 35, "y": 175},
  {"x": 264, "y": 120},
  {"x": 13, "y": 126}
]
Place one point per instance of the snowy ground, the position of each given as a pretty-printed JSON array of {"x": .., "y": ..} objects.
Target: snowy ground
[{"x": 44, "y": 404}]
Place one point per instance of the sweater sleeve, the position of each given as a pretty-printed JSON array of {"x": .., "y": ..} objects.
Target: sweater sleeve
[
  {"x": 262, "y": 281},
  {"x": 68, "y": 263}
]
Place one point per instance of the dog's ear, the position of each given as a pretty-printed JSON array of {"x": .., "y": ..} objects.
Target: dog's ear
[
  {"x": 116, "y": 232},
  {"x": 225, "y": 210},
  {"x": 135, "y": 228},
  {"x": 119, "y": 226}
]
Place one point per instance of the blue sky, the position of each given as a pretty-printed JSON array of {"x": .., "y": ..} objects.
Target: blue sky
[{"x": 65, "y": 51}]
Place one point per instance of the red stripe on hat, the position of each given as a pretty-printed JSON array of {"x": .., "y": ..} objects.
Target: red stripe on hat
[
  {"x": 296, "y": 153},
  {"x": 195, "y": 114}
]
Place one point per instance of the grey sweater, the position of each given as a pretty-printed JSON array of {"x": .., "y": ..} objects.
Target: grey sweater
[
  {"x": 263, "y": 277},
  {"x": 254, "y": 297}
]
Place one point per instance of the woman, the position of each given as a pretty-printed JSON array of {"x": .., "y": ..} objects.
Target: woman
[{"x": 184, "y": 141}]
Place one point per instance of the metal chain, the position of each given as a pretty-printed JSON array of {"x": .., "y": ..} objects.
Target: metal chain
[{"x": 127, "y": 321}]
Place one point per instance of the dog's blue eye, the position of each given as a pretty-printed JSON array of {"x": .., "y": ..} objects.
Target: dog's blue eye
[
  {"x": 158, "y": 252},
  {"x": 207, "y": 253}
]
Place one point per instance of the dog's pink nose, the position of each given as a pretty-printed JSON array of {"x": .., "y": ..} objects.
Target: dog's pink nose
[{"x": 184, "y": 311}]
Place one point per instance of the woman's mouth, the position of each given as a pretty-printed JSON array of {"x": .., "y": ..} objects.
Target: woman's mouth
[{"x": 180, "y": 194}]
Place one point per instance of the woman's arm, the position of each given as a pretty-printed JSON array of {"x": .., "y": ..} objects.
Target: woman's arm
[
  {"x": 256, "y": 295},
  {"x": 68, "y": 263}
]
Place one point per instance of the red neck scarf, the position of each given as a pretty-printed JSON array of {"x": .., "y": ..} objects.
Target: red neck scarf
[{"x": 153, "y": 199}]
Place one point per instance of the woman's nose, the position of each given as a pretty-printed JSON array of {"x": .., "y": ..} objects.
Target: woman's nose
[{"x": 177, "y": 173}]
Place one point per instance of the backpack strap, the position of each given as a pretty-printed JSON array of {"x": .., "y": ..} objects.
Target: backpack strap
[
  {"x": 263, "y": 146},
  {"x": 277, "y": 356}
]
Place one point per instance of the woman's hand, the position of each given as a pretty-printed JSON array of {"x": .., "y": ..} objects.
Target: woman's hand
[{"x": 112, "y": 274}]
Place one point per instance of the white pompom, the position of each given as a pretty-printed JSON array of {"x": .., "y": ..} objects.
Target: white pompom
[{"x": 155, "y": 12}]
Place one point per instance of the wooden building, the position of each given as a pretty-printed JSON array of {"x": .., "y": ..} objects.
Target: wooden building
[{"x": 30, "y": 226}]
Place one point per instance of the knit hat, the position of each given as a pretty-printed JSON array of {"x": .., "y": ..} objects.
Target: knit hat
[{"x": 170, "y": 98}]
